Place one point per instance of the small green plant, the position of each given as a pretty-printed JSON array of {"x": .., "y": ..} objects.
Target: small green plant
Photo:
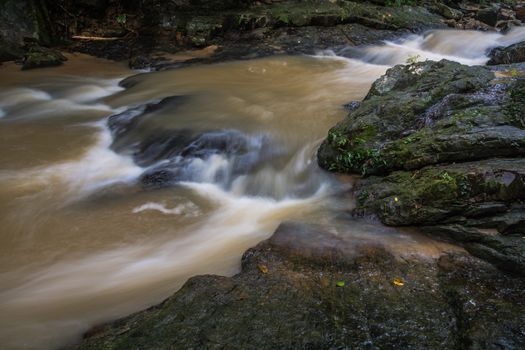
[
  {"x": 411, "y": 139},
  {"x": 344, "y": 13},
  {"x": 412, "y": 59},
  {"x": 446, "y": 177},
  {"x": 514, "y": 72},
  {"x": 363, "y": 196},
  {"x": 283, "y": 17},
  {"x": 242, "y": 18},
  {"x": 122, "y": 19},
  {"x": 337, "y": 139}
]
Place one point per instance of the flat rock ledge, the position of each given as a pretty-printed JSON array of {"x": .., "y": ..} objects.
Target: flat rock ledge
[{"x": 308, "y": 288}]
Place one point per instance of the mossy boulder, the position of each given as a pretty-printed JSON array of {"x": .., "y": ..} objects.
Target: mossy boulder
[
  {"x": 446, "y": 144},
  {"x": 20, "y": 19},
  {"x": 475, "y": 203},
  {"x": 41, "y": 57},
  {"x": 446, "y": 193},
  {"x": 428, "y": 113}
]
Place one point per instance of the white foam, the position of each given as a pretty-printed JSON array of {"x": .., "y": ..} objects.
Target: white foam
[
  {"x": 150, "y": 270},
  {"x": 98, "y": 167},
  {"x": 92, "y": 91},
  {"x": 187, "y": 209},
  {"x": 466, "y": 46},
  {"x": 20, "y": 96}
]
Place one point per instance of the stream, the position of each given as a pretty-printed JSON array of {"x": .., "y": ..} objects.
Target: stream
[{"x": 116, "y": 186}]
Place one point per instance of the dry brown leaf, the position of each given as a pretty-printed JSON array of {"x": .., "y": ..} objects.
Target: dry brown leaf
[{"x": 263, "y": 268}]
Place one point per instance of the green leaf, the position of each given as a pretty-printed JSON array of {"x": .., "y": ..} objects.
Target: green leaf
[{"x": 340, "y": 283}]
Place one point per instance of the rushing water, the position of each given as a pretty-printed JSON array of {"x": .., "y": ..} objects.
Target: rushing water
[{"x": 111, "y": 197}]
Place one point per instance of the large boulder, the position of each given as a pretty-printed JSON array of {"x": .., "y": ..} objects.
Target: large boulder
[
  {"x": 507, "y": 55},
  {"x": 21, "y": 19},
  {"x": 428, "y": 113},
  {"x": 475, "y": 203},
  {"x": 488, "y": 15},
  {"x": 449, "y": 143},
  {"x": 42, "y": 57}
]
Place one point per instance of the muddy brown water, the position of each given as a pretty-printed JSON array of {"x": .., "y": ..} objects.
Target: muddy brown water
[{"x": 82, "y": 242}]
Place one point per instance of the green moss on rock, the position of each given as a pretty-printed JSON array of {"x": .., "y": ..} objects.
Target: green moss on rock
[{"x": 429, "y": 113}]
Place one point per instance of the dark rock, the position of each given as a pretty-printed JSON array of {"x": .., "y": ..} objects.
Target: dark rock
[
  {"x": 41, "y": 57},
  {"x": 444, "y": 193},
  {"x": 428, "y": 113},
  {"x": 510, "y": 54},
  {"x": 506, "y": 252},
  {"x": 122, "y": 124},
  {"x": 187, "y": 156},
  {"x": 21, "y": 19},
  {"x": 446, "y": 11},
  {"x": 454, "y": 302},
  {"x": 520, "y": 13},
  {"x": 448, "y": 128},
  {"x": 352, "y": 106},
  {"x": 174, "y": 155},
  {"x": 488, "y": 16}
]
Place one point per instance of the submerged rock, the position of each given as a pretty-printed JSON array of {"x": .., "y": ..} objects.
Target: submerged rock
[
  {"x": 306, "y": 288},
  {"x": 174, "y": 155},
  {"x": 507, "y": 55}
]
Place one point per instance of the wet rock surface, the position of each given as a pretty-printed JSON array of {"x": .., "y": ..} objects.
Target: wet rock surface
[
  {"x": 21, "y": 19},
  {"x": 170, "y": 156},
  {"x": 307, "y": 288},
  {"x": 149, "y": 33},
  {"x": 507, "y": 55},
  {"x": 42, "y": 57},
  {"x": 447, "y": 142},
  {"x": 241, "y": 30},
  {"x": 428, "y": 113}
]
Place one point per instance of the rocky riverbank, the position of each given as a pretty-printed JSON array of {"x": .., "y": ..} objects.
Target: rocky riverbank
[
  {"x": 158, "y": 35},
  {"x": 312, "y": 287},
  {"x": 440, "y": 147}
]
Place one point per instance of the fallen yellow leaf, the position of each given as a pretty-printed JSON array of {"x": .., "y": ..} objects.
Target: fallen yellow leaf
[
  {"x": 263, "y": 268},
  {"x": 398, "y": 282}
]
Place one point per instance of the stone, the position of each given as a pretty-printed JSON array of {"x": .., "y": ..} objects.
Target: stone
[
  {"x": 445, "y": 143},
  {"x": 428, "y": 113},
  {"x": 507, "y": 55},
  {"x": 42, "y": 57},
  {"x": 488, "y": 16}
]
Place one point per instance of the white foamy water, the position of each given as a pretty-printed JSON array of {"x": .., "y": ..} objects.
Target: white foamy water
[
  {"x": 466, "y": 47},
  {"x": 212, "y": 246},
  {"x": 72, "y": 180},
  {"x": 20, "y": 96},
  {"x": 74, "y": 96},
  {"x": 188, "y": 209}
]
